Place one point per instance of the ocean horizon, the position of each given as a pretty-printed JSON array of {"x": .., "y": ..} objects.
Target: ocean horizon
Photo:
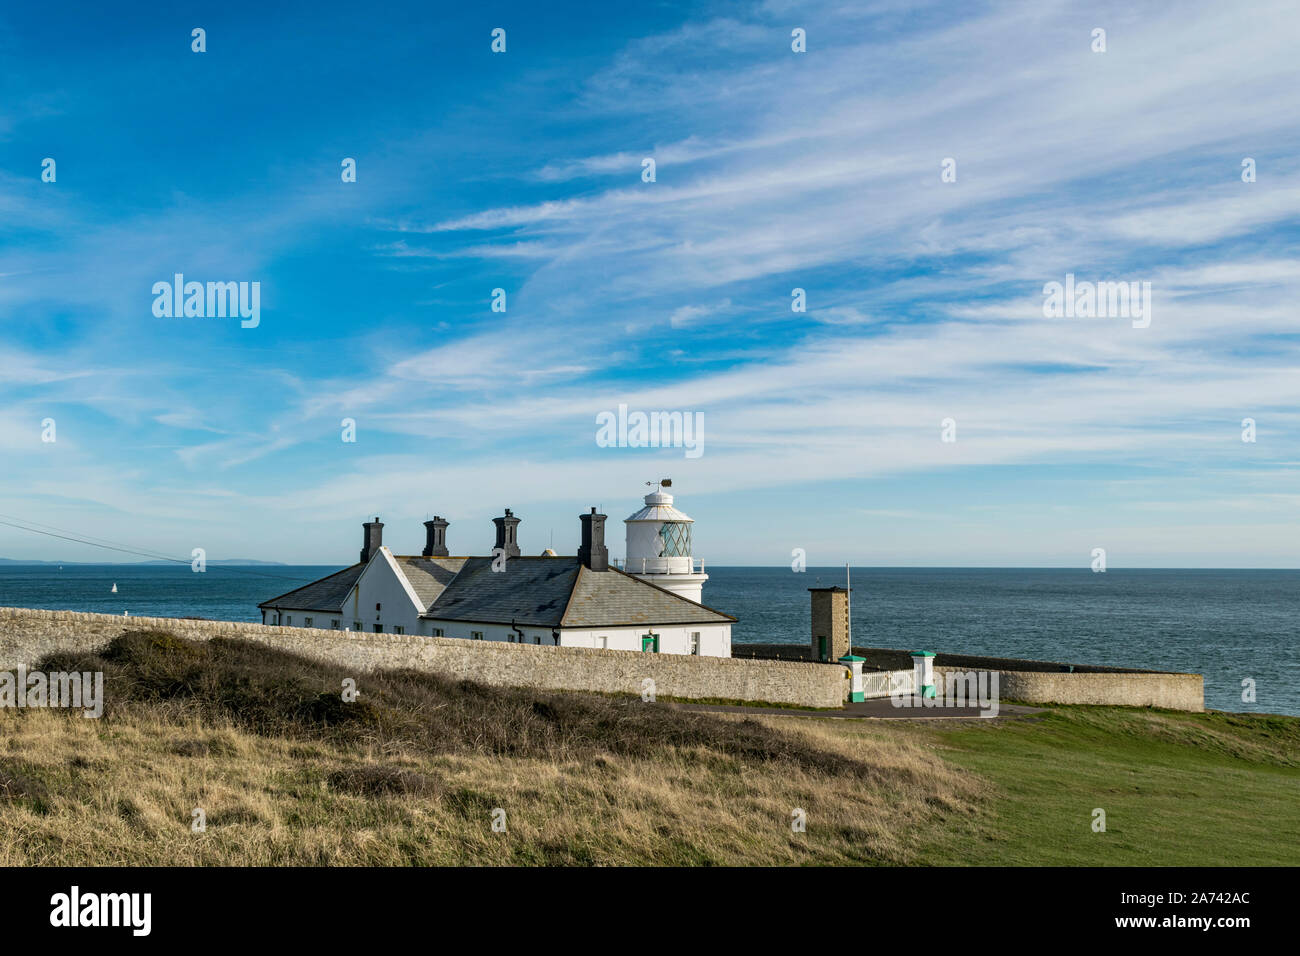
[{"x": 1230, "y": 625}]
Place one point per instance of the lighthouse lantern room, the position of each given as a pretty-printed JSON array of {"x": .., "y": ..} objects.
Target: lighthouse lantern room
[{"x": 659, "y": 546}]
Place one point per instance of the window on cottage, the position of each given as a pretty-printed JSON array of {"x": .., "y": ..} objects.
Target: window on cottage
[
  {"x": 356, "y": 626},
  {"x": 399, "y": 629},
  {"x": 478, "y": 636},
  {"x": 604, "y": 642},
  {"x": 695, "y": 642},
  {"x": 306, "y": 622},
  {"x": 288, "y": 619},
  {"x": 379, "y": 628},
  {"x": 437, "y": 632},
  {"x": 537, "y": 638},
  {"x": 335, "y": 624}
]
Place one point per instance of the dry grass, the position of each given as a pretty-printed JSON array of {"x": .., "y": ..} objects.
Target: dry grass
[{"x": 287, "y": 773}]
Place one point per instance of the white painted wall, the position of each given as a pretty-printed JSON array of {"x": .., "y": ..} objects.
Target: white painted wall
[
  {"x": 490, "y": 632},
  {"x": 715, "y": 639},
  {"x": 383, "y": 584},
  {"x": 298, "y": 617},
  {"x": 689, "y": 586}
]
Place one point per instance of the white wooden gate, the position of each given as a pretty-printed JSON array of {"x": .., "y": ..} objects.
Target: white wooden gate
[{"x": 885, "y": 683}]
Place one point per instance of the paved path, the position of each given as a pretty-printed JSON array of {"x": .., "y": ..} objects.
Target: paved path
[{"x": 880, "y": 708}]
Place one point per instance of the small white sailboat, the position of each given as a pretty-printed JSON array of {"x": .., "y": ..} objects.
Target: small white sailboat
[{"x": 114, "y": 587}]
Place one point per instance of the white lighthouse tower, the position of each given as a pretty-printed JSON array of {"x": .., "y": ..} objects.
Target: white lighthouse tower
[{"x": 659, "y": 546}]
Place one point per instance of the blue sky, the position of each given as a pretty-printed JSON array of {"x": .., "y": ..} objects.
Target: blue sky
[{"x": 775, "y": 170}]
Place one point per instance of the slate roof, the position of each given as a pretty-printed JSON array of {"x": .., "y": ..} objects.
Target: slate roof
[
  {"x": 610, "y": 598},
  {"x": 529, "y": 591},
  {"x": 560, "y": 592},
  {"x": 327, "y": 594},
  {"x": 428, "y": 577}
]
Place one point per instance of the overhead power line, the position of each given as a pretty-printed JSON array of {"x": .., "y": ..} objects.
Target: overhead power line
[{"x": 35, "y": 527}]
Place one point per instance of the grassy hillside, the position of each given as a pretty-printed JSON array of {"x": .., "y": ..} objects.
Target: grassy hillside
[
  {"x": 1187, "y": 789},
  {"x": 287, "y": 773}
]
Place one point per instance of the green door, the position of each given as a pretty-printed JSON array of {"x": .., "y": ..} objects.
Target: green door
[
  {"x": 821, "y": 648},
  {"x": 650, "y": 642}
]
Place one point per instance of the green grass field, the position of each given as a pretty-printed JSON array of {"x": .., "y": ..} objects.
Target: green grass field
[
  {"x": 1176, "y": 788},
  {"x": 413, "y": 773}
]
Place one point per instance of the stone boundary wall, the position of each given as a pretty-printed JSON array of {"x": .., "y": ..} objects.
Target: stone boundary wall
[
  {"x": 1123, "y": 688},
  {"x": 27, "y": 635},
  {"x": 893, "y": 659},
  {"x": 1036, "y": 682}
]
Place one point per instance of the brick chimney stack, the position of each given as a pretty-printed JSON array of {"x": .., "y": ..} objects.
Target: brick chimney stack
[
  {"x": 592, "y": 553},
  {"x": 435, "y": 538},
  {"x": 373, "y": 539},
  {"x": 507, "y": 534}
]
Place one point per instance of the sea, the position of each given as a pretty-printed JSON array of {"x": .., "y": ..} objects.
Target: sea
[{"x": 1236, "y": 627}]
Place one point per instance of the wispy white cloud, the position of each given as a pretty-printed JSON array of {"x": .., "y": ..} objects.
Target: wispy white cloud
[{"x": 775, "y": 170}]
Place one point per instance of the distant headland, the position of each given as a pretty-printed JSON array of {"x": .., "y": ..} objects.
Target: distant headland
[{"x": 227, "y": 561}]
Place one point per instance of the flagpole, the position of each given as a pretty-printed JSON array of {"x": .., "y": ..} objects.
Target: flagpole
[{"x": 849, "y": 598}]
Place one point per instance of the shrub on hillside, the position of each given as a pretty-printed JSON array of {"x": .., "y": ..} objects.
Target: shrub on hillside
[{"x": 273, "y": 693}]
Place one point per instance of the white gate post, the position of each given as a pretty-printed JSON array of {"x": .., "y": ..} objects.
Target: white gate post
[
  {"x": 923, "y": 667},
  {"x": 854, "y": 664}
]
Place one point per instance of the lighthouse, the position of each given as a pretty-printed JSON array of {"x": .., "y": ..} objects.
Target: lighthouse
[{"x": 659, "y": 546}]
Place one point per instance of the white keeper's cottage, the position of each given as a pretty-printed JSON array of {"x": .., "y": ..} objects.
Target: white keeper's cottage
[{"x": 654, "y": 605}]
